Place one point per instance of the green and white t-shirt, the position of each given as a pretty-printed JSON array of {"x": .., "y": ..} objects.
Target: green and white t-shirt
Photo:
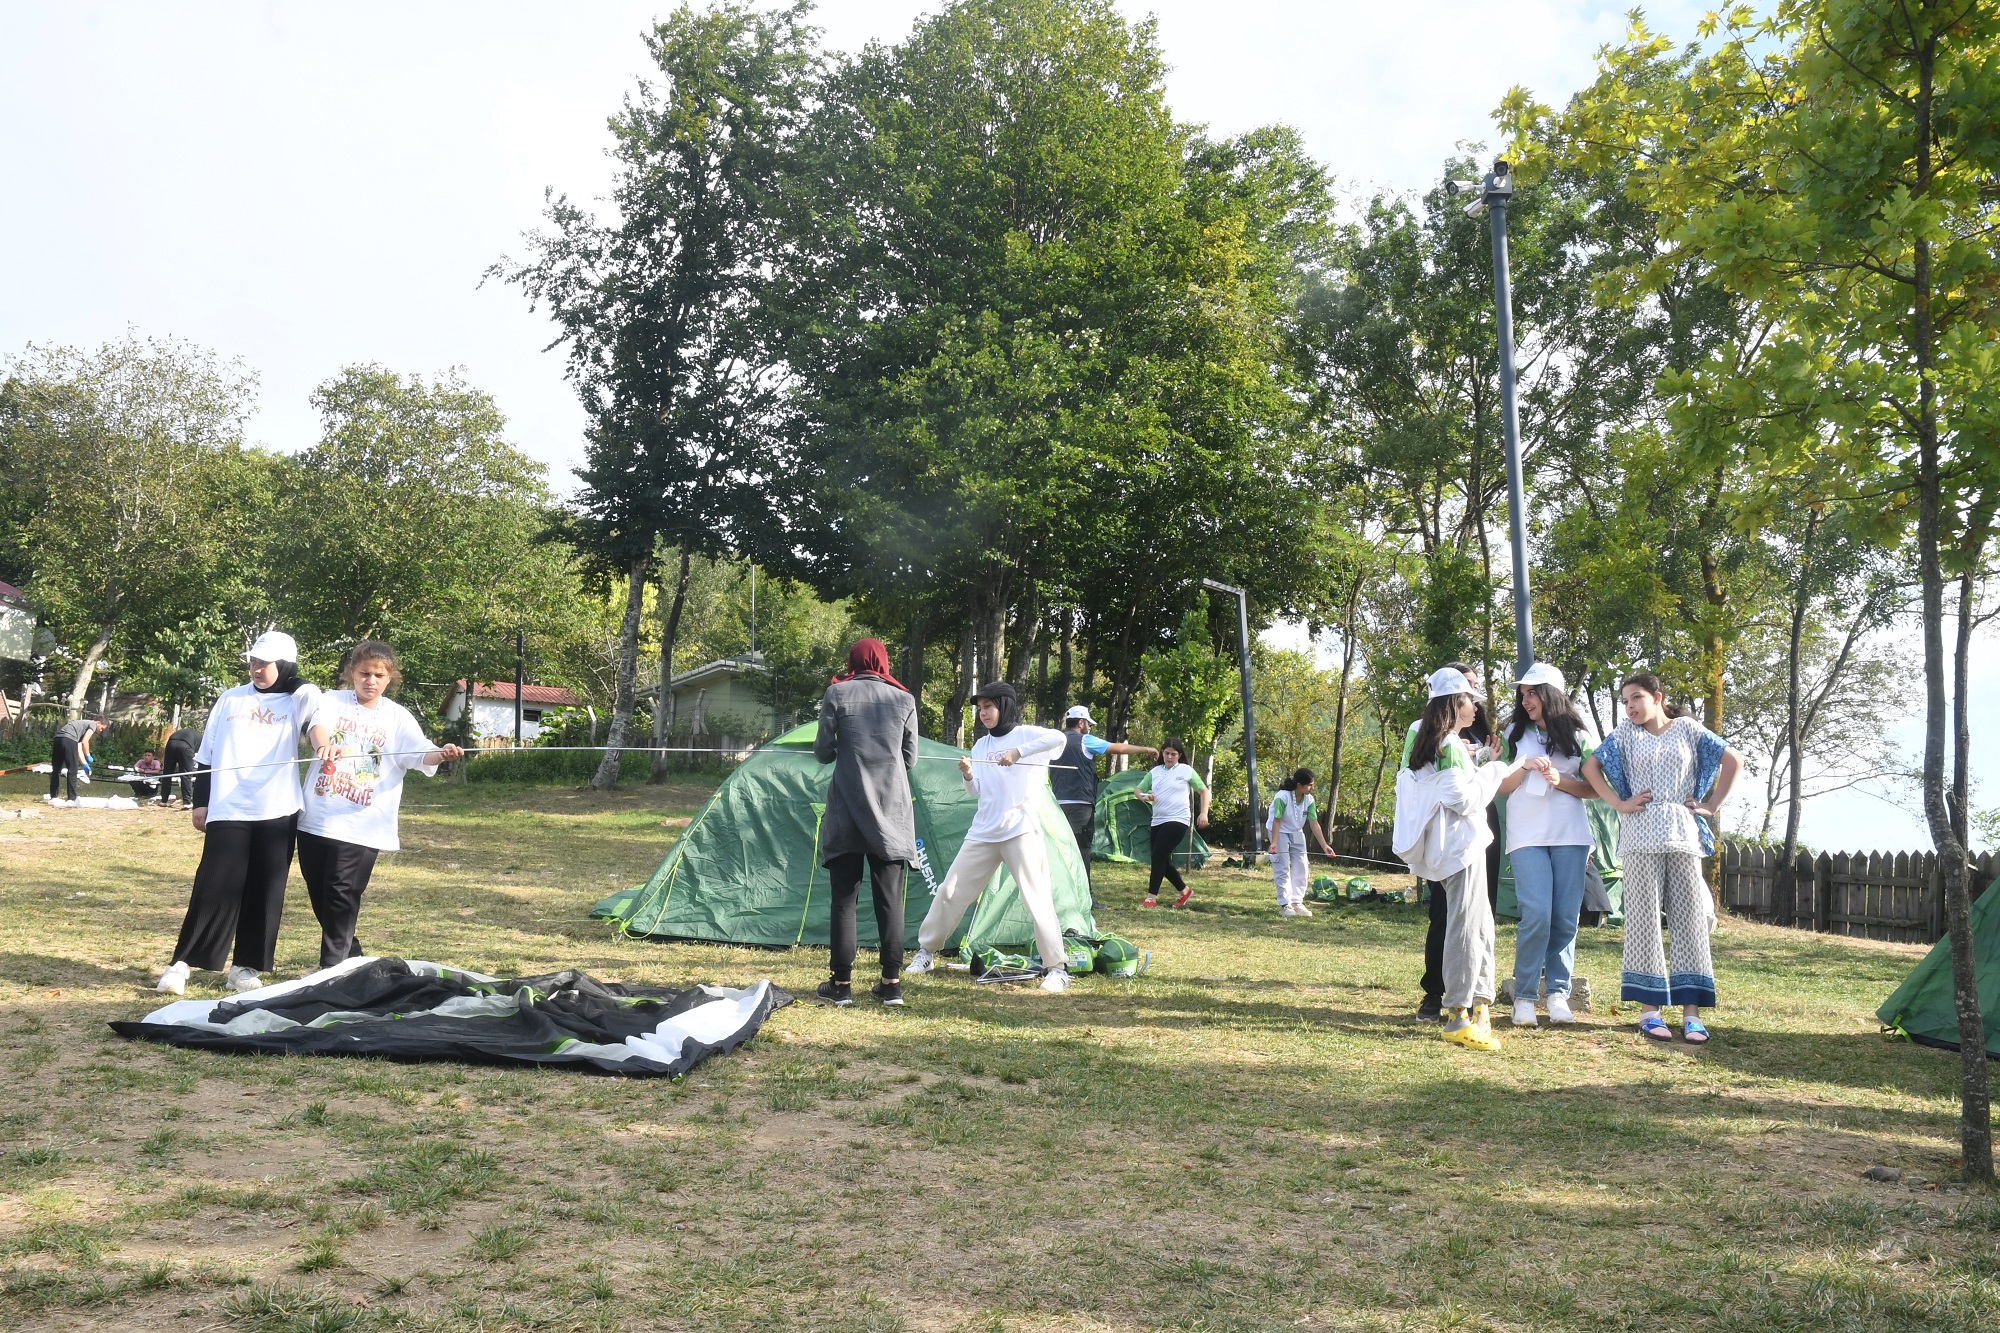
[
  {"x": 1289, "y": 814},
  {"x": 1449, "y": 755},
  {"x": 1173, "y": 792}
]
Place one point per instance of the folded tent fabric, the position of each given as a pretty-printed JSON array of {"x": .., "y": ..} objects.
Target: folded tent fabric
[{"x": 413, "y": 1010}]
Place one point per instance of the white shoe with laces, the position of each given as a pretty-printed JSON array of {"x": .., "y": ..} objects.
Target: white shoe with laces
[
  {"x": 1559, "y": 1009},
  {"x": 243, "y": 979},
  {"x": 1302, "y": 909},
  {"x": 1288, "y": 910},
  {"x": 922, "y": 961},
  {"x": 1056, "y": 979},
  {"x": 174, "y": 981},
  {"x": 1524, "y": 1013}
]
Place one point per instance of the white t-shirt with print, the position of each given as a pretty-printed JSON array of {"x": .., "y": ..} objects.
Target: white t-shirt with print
[
  {"x": 356, "y": 798},
  {"x": 1008, "y": 796},
  {"x": 1289, "y": 814},
  {"x": 1172, "y": 790},
  {"x": 248, "y": 738}
]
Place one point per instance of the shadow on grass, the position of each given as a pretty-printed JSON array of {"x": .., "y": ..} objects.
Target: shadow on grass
[{"x": 36, "y": 969}]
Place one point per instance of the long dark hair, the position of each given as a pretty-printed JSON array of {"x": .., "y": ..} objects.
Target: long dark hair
[
  {"x": 1439, "y": 722},
  {"x": 1559, "y": 720},
  {"x": 1481, "y": 729},
  {"x": 1175, "y": 744}
]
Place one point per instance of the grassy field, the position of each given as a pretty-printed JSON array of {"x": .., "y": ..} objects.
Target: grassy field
[{"x": 1254, "y": 1135}]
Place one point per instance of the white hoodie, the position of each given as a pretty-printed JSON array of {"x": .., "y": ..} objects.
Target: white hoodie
[{"x": 1440, "y": 814}]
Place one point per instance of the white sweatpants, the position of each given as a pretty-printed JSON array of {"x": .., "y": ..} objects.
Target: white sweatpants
[
  {"x": 1288, "y": 866},
  {"x": 972, "y": 870}
]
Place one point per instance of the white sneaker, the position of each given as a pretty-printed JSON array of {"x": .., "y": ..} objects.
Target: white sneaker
[
  {"x": 243, "y": 979},
  {"x": 174, "y": 981},
  {"x": 922, "y": 961},
  {"x": 1301, "y": 909},
  {"x": 1288, "y": 910},
  {"x": 1055, "y": 979},
  {"x": 1559, "y": 1009},
  {"x": 1524, "y": 1013}
]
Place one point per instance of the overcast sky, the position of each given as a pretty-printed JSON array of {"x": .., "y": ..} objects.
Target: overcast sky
[{"x": 312, "y": 186}]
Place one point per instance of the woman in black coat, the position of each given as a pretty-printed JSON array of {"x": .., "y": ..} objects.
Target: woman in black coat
[{"x": 868, "y": 732}]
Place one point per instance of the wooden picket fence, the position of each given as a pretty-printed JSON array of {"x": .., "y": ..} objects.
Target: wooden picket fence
[{"x": 1876, "y": 895}]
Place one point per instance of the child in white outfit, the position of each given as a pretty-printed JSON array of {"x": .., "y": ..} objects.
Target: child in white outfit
[{"x": 1292, "y": 813}]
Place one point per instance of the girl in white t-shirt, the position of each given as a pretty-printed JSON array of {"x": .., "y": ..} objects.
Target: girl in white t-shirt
[
  {"x": 1292, "y": 813},
  {"x": 366, "y": 742},
  {"x": 1170, "y": 788},
  {"x": 246, "y": 807},
  {"x": 1548, "y": 837}
]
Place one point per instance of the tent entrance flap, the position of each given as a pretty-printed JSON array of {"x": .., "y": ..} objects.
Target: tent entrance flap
[{"x": 747, "y": 870}]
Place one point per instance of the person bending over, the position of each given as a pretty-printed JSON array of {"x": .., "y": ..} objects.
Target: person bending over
[
  {"x": 69, "y": 754},
  {"x": 1007, "y": 771}
]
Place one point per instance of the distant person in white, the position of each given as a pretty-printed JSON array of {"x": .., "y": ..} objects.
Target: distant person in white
[
  {"x": 246, "y": 806},
  {"x": 366, "y": 742},
  {"x": 1008, "y": 769}
]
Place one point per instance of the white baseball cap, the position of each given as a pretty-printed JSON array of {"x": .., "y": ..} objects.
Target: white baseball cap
[
  {"x": 274, "y": 646},
  {"x": 1543, "y": 673},
  {"x": 1448, "y": 681},
  {"x": 1079, "y": 712}
]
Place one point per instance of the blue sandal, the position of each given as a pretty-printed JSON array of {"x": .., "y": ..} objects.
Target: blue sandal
[
  {"x": 1654, "y": 1028},
  {"x": 1693, "y": 1032}
]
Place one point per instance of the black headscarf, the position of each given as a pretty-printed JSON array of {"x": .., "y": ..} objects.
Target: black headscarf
[
  {"x": 1001, "y": 695},
  {"x": 288, "y": 680}
]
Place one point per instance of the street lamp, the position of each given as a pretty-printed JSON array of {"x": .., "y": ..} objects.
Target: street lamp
[
  {"x": 1491, "y": 198},
  {"x": 1249, "y": 722}
]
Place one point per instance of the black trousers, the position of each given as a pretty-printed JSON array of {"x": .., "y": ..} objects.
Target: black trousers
[
  {"x": 178, "y": 759},
  {"x": 885, "y": 879},
  {"x": 336, "y": 875},
  {"x": 1167, "y": 839},
  {"x": 239, "y": 894},
  {"x": 64, "y": 760},
  {"x": 1433, "y": 978},
  {"x": 1082, "y": 823}
]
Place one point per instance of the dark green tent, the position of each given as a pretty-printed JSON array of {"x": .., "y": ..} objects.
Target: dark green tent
[
  {"x": 1922, "y": 1006},
  {"x": 747, "y": 869},
  {"x": 1124, "y": 824}
]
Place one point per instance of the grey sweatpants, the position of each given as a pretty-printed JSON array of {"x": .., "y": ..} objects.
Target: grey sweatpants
[{"x": 1468, "y": 938}]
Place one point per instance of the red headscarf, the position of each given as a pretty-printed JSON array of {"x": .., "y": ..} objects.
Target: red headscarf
[{"x": 869, "y": 657}]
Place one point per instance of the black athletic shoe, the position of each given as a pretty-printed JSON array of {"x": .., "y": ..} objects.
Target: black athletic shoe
[
  {"x": 888, "y": 992},
  {"x": 1431, "y": 1010},
  {"x": 839, "y": 994}
]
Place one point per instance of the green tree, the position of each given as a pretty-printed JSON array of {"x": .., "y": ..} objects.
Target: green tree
[
  {"x": 125, "y": 489},
  {"x": 659, "y": 307},
  {"x": 413, "y": 520},
  {"x": 1830, "y": 165}
]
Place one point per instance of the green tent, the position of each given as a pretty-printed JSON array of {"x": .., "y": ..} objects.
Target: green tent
[
  {"x": 747, "y": 869},
  {"x": 1124, "y": 822},
  {"x": 1922, "y": 1006},
  {"x": 1604, "y": 851}
]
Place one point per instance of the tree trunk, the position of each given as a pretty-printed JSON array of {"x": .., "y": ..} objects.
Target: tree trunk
[
  {"x": 1375, "y": 795},
  {"x": 1327, "y": 816},
  {"x": 1121, "y": 693},
  {"x": 1026, "y": 636},
  {"x": 914, "y": 648},
  {"x": 628, "y": 671},
  {"x": 1087, "y": 684},
  {"x": 663, "y": 704},
  {"x": 1065, "y": 657},
  {"x": 1785, "y": 887},
  {"x": 1712, "y": 654},
  {"x": 79, "y": 690},
  {"x": 961, "y": 690},
  {"x": 1975, "y": 1130}
]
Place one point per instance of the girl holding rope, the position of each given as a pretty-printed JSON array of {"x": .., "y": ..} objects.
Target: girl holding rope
[
  {"x": 246, "y": 807},
  {"x": 366, "y": 742},
  {"x": 1667, "y": 775}
]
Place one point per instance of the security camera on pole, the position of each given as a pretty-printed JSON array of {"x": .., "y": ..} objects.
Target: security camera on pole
[{"x": 1491, "y": 198}]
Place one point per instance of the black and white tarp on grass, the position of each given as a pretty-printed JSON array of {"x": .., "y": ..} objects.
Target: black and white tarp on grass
[{"x": 408, "y": 1010}]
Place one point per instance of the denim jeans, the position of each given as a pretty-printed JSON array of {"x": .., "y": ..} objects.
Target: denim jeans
[{"x": 1548, "y": 881}]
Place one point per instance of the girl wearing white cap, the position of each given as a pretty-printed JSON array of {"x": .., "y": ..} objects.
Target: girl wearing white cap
[
  {"x": 1667, "y": 775},
  {"x": 1548, "y": 837},
  {"x": 1441, "y": 797},
  {"x": 246, "y": 806}
]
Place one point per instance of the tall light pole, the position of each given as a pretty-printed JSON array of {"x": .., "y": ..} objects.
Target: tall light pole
[
  {"x": 1249, "y": 721},
  {"x": 1493, "y": 194}
]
